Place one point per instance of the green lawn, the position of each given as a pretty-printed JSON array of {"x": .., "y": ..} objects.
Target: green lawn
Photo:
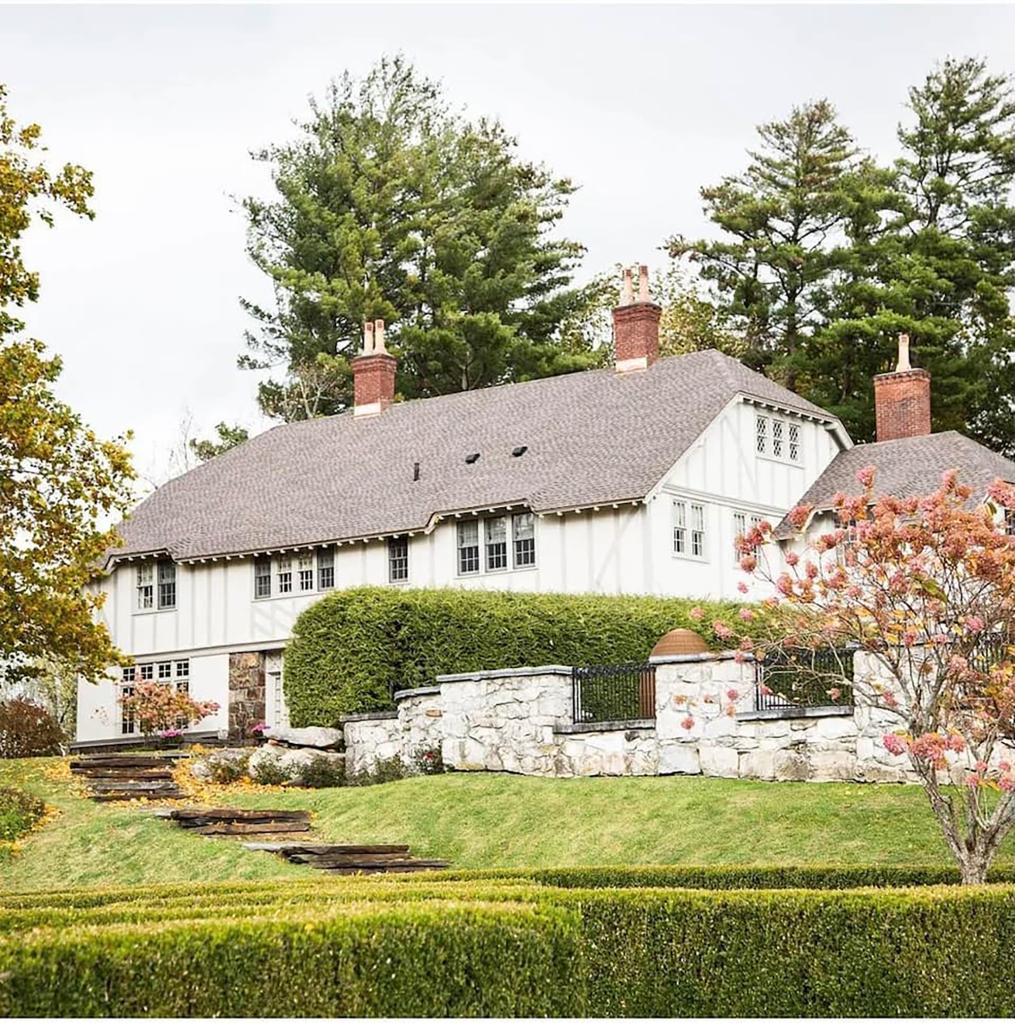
[{"x": 490, "y": 820}]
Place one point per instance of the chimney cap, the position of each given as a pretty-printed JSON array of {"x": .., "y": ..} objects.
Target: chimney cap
[{"x": 903, "y": 364}]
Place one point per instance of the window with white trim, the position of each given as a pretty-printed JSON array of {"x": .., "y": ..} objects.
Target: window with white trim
[
  {"x": 508, "y": 541},
  {"x": 290, "y": 574},
  {"x": 326, "y": 568},
  {"x": 495, "y": 531},
  {"x": 741, "y": 522},
  {"x": 284, "y": 574},
  {"x": 305, "y": 572},
  {"x": 145, "y": 586},
  {"x": 398, "y": 559},
  {"x": 175, "y": 673},
  {"x": 1009, "y": 521},
  {"x": 468, "y": 547},
  {"x": 262, "y": 577},
  {"x": 778, "y": 438},
  {"x": 523, "y": 528},
  {"x": 688, "y": 528},
  {"x": 167, "y": 585}
]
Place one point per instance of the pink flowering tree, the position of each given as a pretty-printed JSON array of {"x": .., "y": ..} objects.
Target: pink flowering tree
[
  {"x": 161, "y": 709},
  {"x": 925, "y": 588}
]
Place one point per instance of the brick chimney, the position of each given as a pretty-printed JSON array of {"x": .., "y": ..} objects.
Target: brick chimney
[
  {"x": 373, "y": 373},
  {"x": 902, "y": 399},
  {"x": 636, "y": 325}
]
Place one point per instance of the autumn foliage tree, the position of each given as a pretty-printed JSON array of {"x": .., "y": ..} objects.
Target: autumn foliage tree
[
  {"x": 164, "y": 710},
  {"x": 924, "y": 589},
  {"x": 58, "y": 481}
]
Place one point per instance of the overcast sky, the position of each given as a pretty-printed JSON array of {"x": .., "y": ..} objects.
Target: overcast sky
[{"x": 639, "y": 105}]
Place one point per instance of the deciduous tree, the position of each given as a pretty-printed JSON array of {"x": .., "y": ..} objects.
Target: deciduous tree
[{"x": 58, "y": 481}]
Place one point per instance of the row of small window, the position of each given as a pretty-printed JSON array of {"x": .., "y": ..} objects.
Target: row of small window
[
  {"x": 777, "y": 438},
  {"x": 505, "y": 539},
  {"x": 156, "y": 586},
  {"x": 286, "y": 574},
  {"x": 167, "y": 672},
  {"x": 689, "y": 529}
]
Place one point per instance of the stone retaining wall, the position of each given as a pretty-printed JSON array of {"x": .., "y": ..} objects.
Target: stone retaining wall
[{"x": 519, "y": 720}]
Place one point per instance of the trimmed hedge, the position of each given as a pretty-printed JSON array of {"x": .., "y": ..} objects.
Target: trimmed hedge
[
  {"x": 420, "y": 948},
  {"x": 352, "y": 648}
]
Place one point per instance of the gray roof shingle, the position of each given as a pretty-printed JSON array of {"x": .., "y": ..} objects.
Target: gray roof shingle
[
  {"x": 594, "y": 437},
  {"x": 909, "y": 467}
]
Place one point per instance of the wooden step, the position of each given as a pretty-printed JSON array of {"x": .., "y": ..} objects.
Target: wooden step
[
  {"x": 342, "y": 850},
  {"x": 106, "y": 775},
  {"x": 239, "y": 815},
  {"x": 123, "y": 797},
  {"x": 127, "y": 785},
  {"x": 255, "y": 828},
  {"x": 119, "y": 763},
  {"x": 397, "y": 867}
]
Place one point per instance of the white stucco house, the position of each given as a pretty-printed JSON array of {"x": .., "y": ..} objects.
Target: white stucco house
[{"x": 632, "y": 479}]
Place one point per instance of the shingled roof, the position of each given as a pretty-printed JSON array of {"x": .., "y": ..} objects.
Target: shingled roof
[
  {"x": 908, "y": 467},
  {"x": 591, "y": 438}
]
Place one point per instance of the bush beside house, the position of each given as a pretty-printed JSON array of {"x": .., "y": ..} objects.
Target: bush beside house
[{"x": 353, "y": 648}]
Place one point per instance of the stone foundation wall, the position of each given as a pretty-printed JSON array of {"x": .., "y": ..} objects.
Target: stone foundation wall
[
  {"x": 520, "y": 721},
  {"x": 246, "y": 693}
]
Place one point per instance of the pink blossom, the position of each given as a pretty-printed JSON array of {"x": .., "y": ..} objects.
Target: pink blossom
[
  {"x": 746, "y": 614},
  {"x": 722, "y": 630},
  {"x": 894, "y": 743},
  {"x": 792, "y": 558},
  {"x": 975, "y": 623},
  {"x": 742, "y": 586},
  {"x": 732, "y": 694},
  {"x": 799, "y": 515},
  {"x": 696, "y": 614},
  {"x": 834, "y": 693},
  {"x": 865, "y": 477},
  {"x": 748, "y": 563},
  {"x": 687, "y": 723}
]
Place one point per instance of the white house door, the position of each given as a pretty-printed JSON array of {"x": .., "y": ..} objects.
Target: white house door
[{"x": 276, "y": 710}]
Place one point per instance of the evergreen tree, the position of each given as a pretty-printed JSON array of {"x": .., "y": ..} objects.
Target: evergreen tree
[
  {"x": 392, "y": 206},
  {"x": 782, "y": 220}
]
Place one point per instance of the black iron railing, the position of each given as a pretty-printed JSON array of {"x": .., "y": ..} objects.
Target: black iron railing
[
  {"x": 614, "y": 692},
  {"x": 804, "y": 678}
]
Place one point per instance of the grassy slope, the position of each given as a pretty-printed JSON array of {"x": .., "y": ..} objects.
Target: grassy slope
[{"x": 488, "y": 820}]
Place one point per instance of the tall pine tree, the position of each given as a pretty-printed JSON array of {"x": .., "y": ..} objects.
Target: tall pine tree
[{"x": 390, "y": 205}]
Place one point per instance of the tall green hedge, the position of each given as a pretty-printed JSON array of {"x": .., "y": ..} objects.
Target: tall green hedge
[
  {"x": 416, "y": 947},
  {"x": 351, "y": 648}
]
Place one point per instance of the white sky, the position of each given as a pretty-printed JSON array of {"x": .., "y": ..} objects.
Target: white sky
[{"x": 639, "y": 105}]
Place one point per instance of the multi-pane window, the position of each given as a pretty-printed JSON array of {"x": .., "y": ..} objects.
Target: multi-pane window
[
  {"x": 741, "y": 521},
  {"x": 326, "y": 568},
  {"x": 523, "y": 525},
  {"x": 697, "y": 530},
  {"x": 285, "y": 575},
  {"x": 688, "y": 528},
  {"x": 496, "y": 543},
  {"x": 468, "y": 547},
  {"x": 777, "y": 438},
  {"x": 262, "y": 577},
  {"x": 398, "y": 559},
  {"x": 1009, "y": 521},
  {"x": 145, "y": 587},
  {"x": 167, "y": 585},
  {"x": 679, "y": 527},
  {"x": 166, "y": 672},
  {"x": 305, "y": 569},
  {"x": 761, "y": 434}
]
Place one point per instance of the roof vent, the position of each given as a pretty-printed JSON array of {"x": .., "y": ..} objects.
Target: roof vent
[
  {"x": 520, "y": 450},
  {"x": 470, "y": 459}
]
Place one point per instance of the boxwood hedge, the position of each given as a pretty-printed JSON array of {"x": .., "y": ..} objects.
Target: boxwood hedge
[
  {"x": 351, "y": 649},
  {"x": 421, "y": 947}
]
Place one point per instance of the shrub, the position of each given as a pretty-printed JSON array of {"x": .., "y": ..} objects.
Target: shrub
[
  {"x": 323, "y": 773},
  {"x": 271, "y": 772},
  {"x": 162, "y": 708},
  {"x": 351, "y": 649},
  {"x": 27, "y": 729},
  {"x": 19, "y": 813},
  {"x": 385, "y": 769},
  {"x": 426, "y": 947},
  {"x": 224, "y": 770},
  {"x": 427, "y": 760}
]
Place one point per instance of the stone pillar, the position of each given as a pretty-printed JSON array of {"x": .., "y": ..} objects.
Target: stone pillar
[{"x": 246, "y": 693}]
